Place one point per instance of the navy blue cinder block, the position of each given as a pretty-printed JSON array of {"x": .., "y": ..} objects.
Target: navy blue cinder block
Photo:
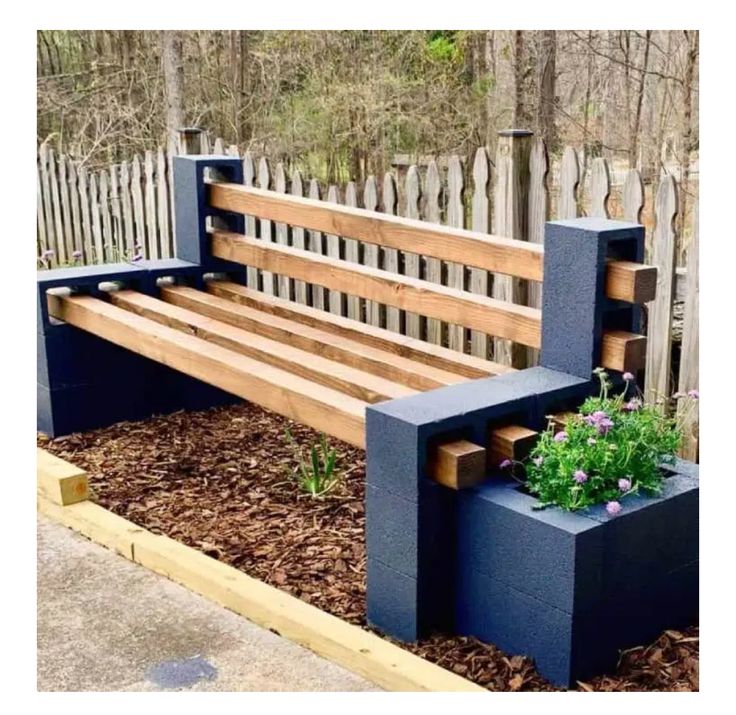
[
  {"x": 410, "y": 520},
  {"x": 191, "y": 209},
  {"x": 573, "y": 298},
  {"x": 572, "y": 589}
]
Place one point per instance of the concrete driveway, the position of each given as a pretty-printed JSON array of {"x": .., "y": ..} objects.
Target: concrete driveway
[{"x": 105, "y": 624}]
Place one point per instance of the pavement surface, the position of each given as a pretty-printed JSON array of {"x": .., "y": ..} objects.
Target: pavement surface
[{"x": 106, "y": 624}]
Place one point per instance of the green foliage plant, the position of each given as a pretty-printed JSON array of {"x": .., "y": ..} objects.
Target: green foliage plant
[
  {"x": 613, "y": 447},
  {"x": 316, "y": 475}
]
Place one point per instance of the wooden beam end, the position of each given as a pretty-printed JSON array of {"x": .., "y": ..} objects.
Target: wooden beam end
[
  {"x": 512, "y": 442},
  {"x": 458, "y": 465}
]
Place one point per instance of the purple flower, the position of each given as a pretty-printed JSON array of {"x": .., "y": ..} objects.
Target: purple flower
[
  {"x": 604, "y": 426},
  {"x": 580, "y": 476},
  {"x": 624, "y": 485},
  {"x": 613, "y": 508},
  {"x": 632, "y": 405},
  {"x": 77, "y": 254},
  {"x": 628, "y": 377},
  {"x": 505, "y": 464},
  {"x": 48, "y": 253},
  {"x": 561, "y": 437},
  {"x": 694, "y": 394},
  {"x": 137, "y": 257},
  {"x": 538, "y": 460},
  {"x": 592, "y": 441}
]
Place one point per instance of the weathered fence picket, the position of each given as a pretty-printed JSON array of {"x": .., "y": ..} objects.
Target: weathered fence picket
[
  {"x": 659, "y": 323},
  {"x": 433, "y": 212},
  {"x": 336, "y": 299},
  {"x": 391, "y": 255},
  {"x": 316, "y": 244},
  {"x": 297, "y": 237},
  {"x": 371, "y": 256},
  {"x": 481, "y": 222},
  {"x": 412, "y": 266},
  {"x": 268, "y": 282},
  {"x": 352, "y": 253},
  {"x": 455, "y": 217}
]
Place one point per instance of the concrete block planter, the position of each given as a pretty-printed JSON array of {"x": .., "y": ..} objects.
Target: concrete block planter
[{"x": 572, "y": 589}]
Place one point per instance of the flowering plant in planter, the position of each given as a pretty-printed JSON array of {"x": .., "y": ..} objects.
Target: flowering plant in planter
[{"x": 613, "y": 447}]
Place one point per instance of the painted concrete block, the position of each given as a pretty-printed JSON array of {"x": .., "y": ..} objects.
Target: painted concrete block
[
  {"x": 392, "y": 601},
  {"x": 549, "y": 554},
  {"x": 571, "y": 589},
  {"x": 85, "y": 278},
  {"x": 191, "y": 208},
  {"x": 573, "y": 299}
]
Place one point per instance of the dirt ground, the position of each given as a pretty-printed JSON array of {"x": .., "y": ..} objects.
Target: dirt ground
[{"x": 223, "y": 481}]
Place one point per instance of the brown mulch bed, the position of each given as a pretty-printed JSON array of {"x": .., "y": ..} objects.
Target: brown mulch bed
[{"x": 222, "y": 481}]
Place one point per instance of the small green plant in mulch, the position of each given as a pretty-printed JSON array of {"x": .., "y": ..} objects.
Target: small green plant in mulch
[
  {"x": 316, "y": 475},
  {"x": 613, "y": 447}
]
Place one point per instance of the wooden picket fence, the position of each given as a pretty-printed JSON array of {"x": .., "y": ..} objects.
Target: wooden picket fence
[{"x": 125, "y": 211}]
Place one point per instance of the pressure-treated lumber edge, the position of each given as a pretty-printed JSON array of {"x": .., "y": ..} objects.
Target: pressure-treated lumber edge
[
  {"x": 458, "y": 465},
  {"x": 510, "y": 442},
  {"x": 364, "y": 653},
  {"x": 59, "y": 481}
]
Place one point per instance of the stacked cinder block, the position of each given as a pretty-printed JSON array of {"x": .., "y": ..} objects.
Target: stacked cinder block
[
  {"x": 84, "y": 381},
  {"x": 566, "y": 589},
  {"x": 572, "y": 589},
  {"x": 410, "y": 520}
]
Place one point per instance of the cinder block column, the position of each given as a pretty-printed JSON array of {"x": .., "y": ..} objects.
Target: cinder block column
[
  {"x": 574, "y": 307},
  {"x": 191, "y": 209},
  {"x": 410, "y": 520}
]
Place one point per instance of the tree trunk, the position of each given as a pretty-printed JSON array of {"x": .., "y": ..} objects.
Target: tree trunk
[
  {"x": 634, "y": 140},
  {"x": 523, "y": 81},
  {"x": 547, "y": 87},
  {"x": 688, "y": 142},
  {"x": 172, "y": 56}
]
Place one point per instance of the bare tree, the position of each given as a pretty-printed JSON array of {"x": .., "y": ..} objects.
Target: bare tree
[
  {"x": 547, "y": 63},
  {"x": 173, "y": 63}
]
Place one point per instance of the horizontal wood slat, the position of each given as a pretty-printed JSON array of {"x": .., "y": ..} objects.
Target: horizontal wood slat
[
  {"x": 493, "y": 317},
  {"x": 289, "y": 395},
  {"x": 493, "y": 253},
  {"x": 335, "y": 347},
  {"x": 363, "y": 385},
  {"x": 379, "y": 338},
  {"x": 625, "y": 280}
]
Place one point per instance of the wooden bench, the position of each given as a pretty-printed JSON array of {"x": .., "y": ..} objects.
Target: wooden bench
[{"x": 321, "y": 369}]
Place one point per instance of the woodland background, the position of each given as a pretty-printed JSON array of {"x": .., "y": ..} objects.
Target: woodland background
[{"x": 339, "y": 104}]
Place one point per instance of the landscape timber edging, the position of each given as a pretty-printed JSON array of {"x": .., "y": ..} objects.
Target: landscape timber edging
[{"x": 351, "y": 647}]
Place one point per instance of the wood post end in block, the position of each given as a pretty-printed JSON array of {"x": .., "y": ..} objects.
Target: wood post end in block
[
  {"x": 623, "y": 351},
  {"x": 60, "y": 482},
  {"x": 631, "y": 282},
  {"x": 458, "y": 465},
  {"x": 512, "y": 442}
]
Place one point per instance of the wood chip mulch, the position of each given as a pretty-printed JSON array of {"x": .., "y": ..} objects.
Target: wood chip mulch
[{"x": 223, "y": 481}]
